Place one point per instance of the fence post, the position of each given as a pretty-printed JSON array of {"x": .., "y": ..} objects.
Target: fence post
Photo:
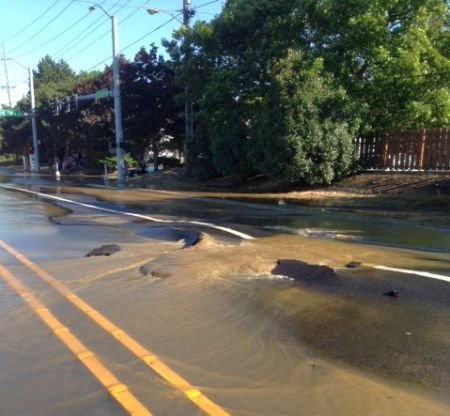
[
  {"x": 422, "y": 148},
  {"x": 385, "y": 151}
]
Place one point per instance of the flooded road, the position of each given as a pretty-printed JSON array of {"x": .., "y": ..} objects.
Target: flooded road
[{"x": 250, "y": 323}]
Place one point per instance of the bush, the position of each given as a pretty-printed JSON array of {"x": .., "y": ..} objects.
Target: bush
[
  {"x": 111, "y": 162},
  {"x": 304, "y": 131}
]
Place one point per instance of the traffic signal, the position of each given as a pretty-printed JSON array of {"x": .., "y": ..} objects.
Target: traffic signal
[
  {"x": 74, "y": 102},
  {"x": 66, "y": 104},
  {"x": 54, "y": 106}
]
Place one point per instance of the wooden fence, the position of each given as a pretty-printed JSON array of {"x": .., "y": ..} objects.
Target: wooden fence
[{"x": 421, "y": 150}]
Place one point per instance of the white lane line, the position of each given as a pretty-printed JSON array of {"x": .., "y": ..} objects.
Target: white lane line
[
  {"x": 414, "y": 272},
  {"x": 132, "y": 214}
]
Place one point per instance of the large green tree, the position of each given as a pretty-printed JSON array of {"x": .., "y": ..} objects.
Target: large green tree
[
  {"x": 280, "y": 86},
  {"x": 392, "y": 56},
  {"x": 152, "y": 117}
]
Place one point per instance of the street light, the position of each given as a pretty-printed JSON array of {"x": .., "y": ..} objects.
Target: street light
[
  {"x": 36, "y": 167},
  {"x": 116, "y": 95},
  {"x": 153, "y": 10}
]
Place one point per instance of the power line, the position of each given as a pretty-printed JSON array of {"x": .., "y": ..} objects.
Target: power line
[
  {"x": 104, "y": 34},
  {"x": 206, "y": 4},
  {"x": 98, "y": 38},
  {"x": 77, "y": 40},
  {"x": 137, "y": 40},
  {"x": 33, "y": 22},
  {"x": 43, "y": 27},
  {"x": 175, "y": 17},
  {"x": 55, "y": 37},
  {"x": 109, "y": 4}
]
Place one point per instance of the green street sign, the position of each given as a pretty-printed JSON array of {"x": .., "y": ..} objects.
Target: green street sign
[
  {"x": 12, "y": 113},
  {"x": 103, "y": 93}
]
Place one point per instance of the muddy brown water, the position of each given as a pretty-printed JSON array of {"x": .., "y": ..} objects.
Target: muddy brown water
[{"x": 258, "y": 337}]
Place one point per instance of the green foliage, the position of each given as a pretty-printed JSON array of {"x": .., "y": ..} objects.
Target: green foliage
[
  {"x": 279, "y": 87},
  {"x": 151, "y": 118},
  {"x": 392, "y": 56},
  {"x": 111, "y": 162},
  {"x": 283, "y": 86},
  {"x": 305, "y": 129},
  {"x": 7, "y": 160}
]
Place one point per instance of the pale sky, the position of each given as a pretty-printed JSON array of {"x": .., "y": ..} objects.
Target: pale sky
[{"x": 65, "y": 29}]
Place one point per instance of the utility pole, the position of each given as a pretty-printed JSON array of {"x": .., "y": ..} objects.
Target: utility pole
[
  {"x": 36, "y": 167},
  {"x": 8, "y": 88},
  {"x": 188, "y": 108},
  {"x": 121, "y": 175},
  {"x": 117, "y": 105}
]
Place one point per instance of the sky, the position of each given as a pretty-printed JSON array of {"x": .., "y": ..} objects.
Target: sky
[{"x": 66, "y": 29}]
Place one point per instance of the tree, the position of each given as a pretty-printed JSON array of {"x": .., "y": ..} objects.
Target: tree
[
  {"x": 305, "y": 128},
  {"x": 250, "y": 80},
  {"x": 392, "y": 56},
  {"x": 281, "y": 86},
  {"x": 152, "y": 118}
]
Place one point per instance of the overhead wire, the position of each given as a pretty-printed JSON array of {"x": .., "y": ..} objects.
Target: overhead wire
[
  {"x": 27, "y": 26},
  {"x": 75, "y": 41},
  {"x": 175, "y": 17},
  {"x": 98, "y": 38},
  {"x": 55, "y": 37},
  {"x": 42, "y": 28},
  {"x": 206, "y": 4},
  {"x": 136, "y": 41},
  {"x": 104, "y": 34},
  {"x": 108, "y": 4}
]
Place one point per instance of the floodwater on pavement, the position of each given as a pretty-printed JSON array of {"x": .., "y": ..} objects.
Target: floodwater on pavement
[{"x": 256, "y": 329}]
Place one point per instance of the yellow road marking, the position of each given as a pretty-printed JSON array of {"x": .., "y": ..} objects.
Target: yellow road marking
[
  {"x": 118, "y": 390},
  {"x": 150, "y": 359}
]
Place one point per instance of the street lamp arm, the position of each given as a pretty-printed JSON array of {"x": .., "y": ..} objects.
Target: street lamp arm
[
  {"x": 95, "y": 6},
  {"x": 153, "y": 10}
]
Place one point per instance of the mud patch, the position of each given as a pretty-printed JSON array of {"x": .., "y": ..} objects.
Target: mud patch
[{"x": 154, "y": 269}]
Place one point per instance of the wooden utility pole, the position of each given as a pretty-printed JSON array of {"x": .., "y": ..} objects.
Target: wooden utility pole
[{"x": 188, "y": 109}]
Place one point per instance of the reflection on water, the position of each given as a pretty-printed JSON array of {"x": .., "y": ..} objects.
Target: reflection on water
[
  {"x": 396, "y": 233},
  {"x": 303, "y": 220}
]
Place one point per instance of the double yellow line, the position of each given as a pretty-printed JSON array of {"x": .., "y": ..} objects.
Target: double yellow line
[{"x": 118, "y": 390}]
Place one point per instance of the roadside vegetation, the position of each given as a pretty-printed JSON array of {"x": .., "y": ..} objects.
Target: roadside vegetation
[{"x": 279, "y": 88}]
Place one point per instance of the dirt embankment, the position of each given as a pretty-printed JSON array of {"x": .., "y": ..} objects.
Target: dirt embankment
[
  {"x": 364, "y": 183},
  {"x": 414, "y": 184}
]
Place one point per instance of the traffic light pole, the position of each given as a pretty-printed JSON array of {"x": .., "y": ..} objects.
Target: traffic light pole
[
  {"x": 121, "y": 176},
  {"x": 117, "y": 105},
  {"x": 33, "y": 123},
  {"x": 188, "y": 109}
]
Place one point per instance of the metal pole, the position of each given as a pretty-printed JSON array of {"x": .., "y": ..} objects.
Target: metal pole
[
  {"x": 117, "y": 105},
  {"x": 33, "y": 123},
  {"x": 188, "y": 110}
]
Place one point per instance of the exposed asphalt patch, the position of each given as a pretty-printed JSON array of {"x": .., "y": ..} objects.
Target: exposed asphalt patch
[
  {"x": 366, "y": 284},
  {"x": 105, "y": 250}
]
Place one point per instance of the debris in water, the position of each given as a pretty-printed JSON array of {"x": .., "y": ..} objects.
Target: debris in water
[
  {"x": 392, "y": 293},
  {"x": 105, "y": 250},
  {"x": 353, "y": 264}
]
